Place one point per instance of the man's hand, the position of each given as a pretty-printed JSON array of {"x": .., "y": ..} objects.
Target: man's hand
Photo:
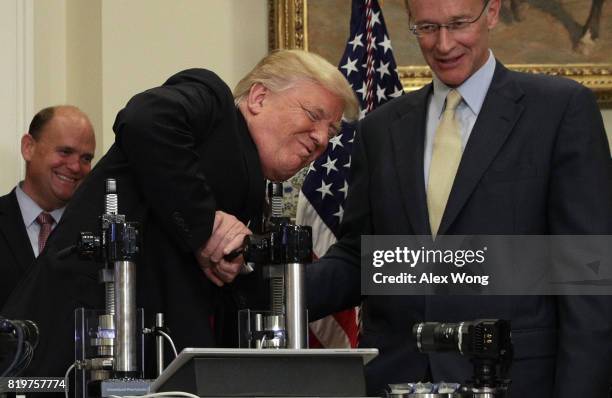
[{"x": 228, "y": 235}]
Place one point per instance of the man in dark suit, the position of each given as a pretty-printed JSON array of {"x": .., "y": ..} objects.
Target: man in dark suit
[
  {"x": 58, "y": 150},
  {"x": 190, "y": 161},
  {"x": 525, "y": 155}
]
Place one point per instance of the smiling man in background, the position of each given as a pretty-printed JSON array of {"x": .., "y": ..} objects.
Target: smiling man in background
[{"x": 58, "y": 150}]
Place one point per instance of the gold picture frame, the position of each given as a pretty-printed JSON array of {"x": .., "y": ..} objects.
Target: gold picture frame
[{"x": 288, "y": 28}]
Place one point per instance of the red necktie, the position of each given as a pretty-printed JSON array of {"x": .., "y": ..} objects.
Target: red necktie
[{"x": 45, "y": 220}]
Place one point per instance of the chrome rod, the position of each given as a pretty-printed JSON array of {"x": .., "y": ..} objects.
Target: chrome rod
[
  {"x": 295, "y": 306},
  {"x": 125, "y": 317},
  {"x": 159, "y": 343}
]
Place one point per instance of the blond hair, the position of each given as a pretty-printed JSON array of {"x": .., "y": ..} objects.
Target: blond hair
[{"x": 280, "y": 69}]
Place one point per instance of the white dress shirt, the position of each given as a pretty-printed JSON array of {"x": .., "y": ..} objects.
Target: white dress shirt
[{"x": 29, "y": 211}]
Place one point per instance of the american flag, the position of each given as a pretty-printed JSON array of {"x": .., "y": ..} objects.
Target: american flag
[{"x": 370, "y": 68}]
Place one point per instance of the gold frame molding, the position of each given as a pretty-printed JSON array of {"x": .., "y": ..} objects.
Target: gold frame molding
[{"x": 288, "y": 28}]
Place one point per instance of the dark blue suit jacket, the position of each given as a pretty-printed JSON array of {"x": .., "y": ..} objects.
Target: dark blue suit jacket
[
  {"x": 537, "y": 162},
  {"x": 16, "y": 253}
]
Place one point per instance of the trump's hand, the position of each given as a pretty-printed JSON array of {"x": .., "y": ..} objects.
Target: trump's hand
[{"x": 228, "y": 235}]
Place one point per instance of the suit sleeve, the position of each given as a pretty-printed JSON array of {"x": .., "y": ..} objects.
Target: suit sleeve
[
  {"x": 333, "y": 282},
  {"x": 580, "y": 202},
  {"x": 158, "y": 131}
]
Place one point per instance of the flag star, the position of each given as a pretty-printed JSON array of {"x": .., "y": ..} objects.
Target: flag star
[
  {"x": 398, "y": 91},
  {"x": 348, "y": 165},
  {"x": 344, "y": 189},
  {"x": 380, "y": 93},
  {"x": 324, "y": 189},
  {"x": 339, "y": 213},
  {"x": 336, "y": 141},
  {"x": 363, "y": 90},
  {"x": 330, "y": 165},
  {"x": 362, "y": 114},
  {"x": 311, "y": 169},
  {"x": 350, "y": 66},
  {"x": 356, "y": 41},
  {"x": 386, "y": 43},
  {"x": 350, "y": 133},
  {"x": 383, "y": 69},
  {"x": 375, "y": 18}
]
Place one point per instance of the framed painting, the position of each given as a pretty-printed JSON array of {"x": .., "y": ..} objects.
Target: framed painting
[{"x": 571, "y": 38}]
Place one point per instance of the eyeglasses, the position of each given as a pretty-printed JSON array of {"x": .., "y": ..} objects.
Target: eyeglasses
[{"x": 455, "y": 26}]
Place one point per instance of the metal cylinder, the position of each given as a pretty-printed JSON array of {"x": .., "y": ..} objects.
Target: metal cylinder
[
  {"x": 106, "y": 322},
  {"x": 159, "y": 343},
  {"x": 258, "y": 322},
  {"x": 125, "y": 317},
  {"x": 275, "y": 333},
  {"x": 274, "y": 322},
  {"x": 105, "y": 336},
  {"x": 484, "y": 392},
  {"x": 295, "y": 306},
  {"x": 258, "y": 327}
]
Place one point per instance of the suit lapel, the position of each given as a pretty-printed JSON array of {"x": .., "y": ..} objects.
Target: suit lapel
[
  {"x": 408, "y": 137},
  {"x": 499, "y": 114},
  {"x": 11, "y": 226}
]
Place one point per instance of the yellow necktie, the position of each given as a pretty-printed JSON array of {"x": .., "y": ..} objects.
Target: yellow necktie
[{"x": 445, "y": 159}]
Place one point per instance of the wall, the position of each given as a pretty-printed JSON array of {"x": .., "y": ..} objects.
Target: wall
[
  {"x": 16, "y": 21},
  {"x": 84, "y": 61},
  {"x": 8, "y": 96},
  {"x": 227, "y": 37},
  {"x": 49, "y": 53}
]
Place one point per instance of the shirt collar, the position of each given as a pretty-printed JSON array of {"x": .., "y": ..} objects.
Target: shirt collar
[
  {"x": 30, "y": 209},
  {"x": 473, "y": 90}
]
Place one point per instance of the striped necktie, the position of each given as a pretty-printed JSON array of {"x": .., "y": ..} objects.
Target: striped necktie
[{"x": 46, "y": 221}]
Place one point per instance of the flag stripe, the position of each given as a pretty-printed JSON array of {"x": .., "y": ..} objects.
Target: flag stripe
[{"x": 330, "y": 331}]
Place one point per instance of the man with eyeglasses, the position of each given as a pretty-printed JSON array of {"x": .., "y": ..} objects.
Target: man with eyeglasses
[{"x": 481, "y": 150}]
